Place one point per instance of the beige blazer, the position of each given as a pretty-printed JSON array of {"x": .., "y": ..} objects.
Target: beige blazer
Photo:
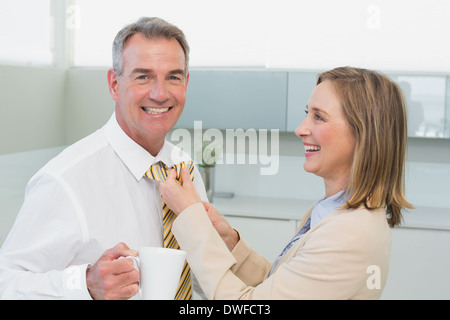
[{"x": 344, "y": 256}]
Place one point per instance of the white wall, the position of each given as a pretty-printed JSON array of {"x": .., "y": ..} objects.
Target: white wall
[
  {"x": 31, "y": 108},
  {"x": 88, "y": 103}
]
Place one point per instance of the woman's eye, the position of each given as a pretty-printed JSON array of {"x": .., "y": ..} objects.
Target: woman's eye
[{"x": 317, "y": 117}]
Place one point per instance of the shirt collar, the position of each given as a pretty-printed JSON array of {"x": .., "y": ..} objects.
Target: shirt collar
[
  {"x": 170, "y": 155},
  {"x": 136, "y": 158},
  {"x": 327, "y": 205}
]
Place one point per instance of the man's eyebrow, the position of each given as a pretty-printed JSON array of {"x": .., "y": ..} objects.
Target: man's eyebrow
[
  {"x": 148, "y": 71},
  {"x": 141, "y": 70},
  {"x": 177, "y": 71}
]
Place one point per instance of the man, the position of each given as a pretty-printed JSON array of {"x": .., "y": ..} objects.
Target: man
[{"x": 92, "y": 204}]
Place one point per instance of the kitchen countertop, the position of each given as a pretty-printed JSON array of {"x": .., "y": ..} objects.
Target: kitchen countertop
[
  {"x": 294, "y": 209},
  {"x": 265, "y": 208},
  {"x": 429, "y": 218}
]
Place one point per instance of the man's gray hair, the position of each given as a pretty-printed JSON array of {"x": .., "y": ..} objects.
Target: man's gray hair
[{"x": 150, "y": 28}]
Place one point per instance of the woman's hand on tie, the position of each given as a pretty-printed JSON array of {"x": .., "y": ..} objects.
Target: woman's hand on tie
[{"x": 178, "y": 196}]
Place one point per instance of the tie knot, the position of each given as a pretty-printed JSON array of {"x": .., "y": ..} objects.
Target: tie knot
[{"x": 159, "y": 170}]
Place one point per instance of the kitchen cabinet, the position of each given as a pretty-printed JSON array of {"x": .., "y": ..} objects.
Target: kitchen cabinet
[
  {"x": 300, "y": 86},
  {"x": 236, "y": 100},
  {"x": 267, "y": 236},
  {"x": 246, "y": 99},
  {"x": 447, "y": 109},
  {"x": 419, "y": 266},
  {"x": 427, "y": 100},
  {"x": 267, "y": 224},
  {"x": 425, "y": 97}
]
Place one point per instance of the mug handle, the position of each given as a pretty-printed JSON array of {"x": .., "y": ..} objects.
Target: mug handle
[
  {"x": 136, "y": 265},
  {"x": 136, "y": 262}
]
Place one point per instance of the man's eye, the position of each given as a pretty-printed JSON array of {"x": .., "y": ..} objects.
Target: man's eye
[
  {"x": 143, "y": 77},
  {"x": 174, "y": 78}
]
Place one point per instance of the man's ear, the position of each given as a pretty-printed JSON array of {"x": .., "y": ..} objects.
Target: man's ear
[{"x": 113, "y": 84}]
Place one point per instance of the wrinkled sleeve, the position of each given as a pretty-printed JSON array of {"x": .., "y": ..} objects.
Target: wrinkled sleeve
[
  {"x": 35, "y": 259},
  {"x": 250, "y": 267}
]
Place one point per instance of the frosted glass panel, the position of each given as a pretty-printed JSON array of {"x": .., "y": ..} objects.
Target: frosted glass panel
[
  {"x": 300, "y": 87},
  {"x": 25, "y": 32},
  {"x": 425, "y": 99},
  {"x": 447, "y": 110}
]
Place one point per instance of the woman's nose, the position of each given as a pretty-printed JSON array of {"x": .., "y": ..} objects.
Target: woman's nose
[{"x": 303, "y": 129}]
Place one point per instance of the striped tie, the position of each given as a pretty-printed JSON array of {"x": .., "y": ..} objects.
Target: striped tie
[{"x": 159, "y": 172}]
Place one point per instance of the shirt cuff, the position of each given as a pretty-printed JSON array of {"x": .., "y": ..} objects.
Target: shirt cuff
[{"x": 74, "y": 283}]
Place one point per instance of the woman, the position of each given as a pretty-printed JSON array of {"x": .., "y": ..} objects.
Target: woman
[{"x": 354, "y": 136}]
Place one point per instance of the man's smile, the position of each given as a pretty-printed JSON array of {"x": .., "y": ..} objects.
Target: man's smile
[{"x": 156, "y": 110}]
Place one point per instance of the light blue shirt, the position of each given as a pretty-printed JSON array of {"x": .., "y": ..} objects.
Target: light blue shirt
[{"x": 321, "y": 209}]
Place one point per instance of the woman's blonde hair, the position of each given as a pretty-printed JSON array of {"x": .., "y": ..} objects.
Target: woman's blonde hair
[{"x": 375, "y": 110}]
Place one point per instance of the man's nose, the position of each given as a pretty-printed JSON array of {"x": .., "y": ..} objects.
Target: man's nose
[{"x": 158, "y": 92}]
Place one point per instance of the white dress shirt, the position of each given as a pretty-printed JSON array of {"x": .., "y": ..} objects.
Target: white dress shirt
[{"x": 84, "y": 201}]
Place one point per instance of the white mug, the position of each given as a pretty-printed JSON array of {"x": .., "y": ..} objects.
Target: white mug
[{"x": 160, "y": 270}]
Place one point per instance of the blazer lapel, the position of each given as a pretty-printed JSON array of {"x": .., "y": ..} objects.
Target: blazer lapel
[
  {"x": 288, "y": 255},
  {"x": 298, "y": 244}
]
